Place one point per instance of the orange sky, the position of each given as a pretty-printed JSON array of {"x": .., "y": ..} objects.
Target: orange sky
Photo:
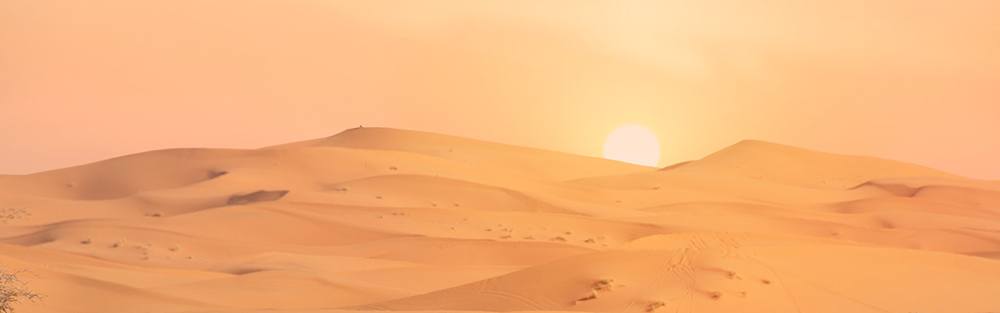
[{"x": 911, "y": 80}]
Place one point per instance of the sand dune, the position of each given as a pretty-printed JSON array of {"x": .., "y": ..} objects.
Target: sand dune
[{"x": 376, "y": 219}]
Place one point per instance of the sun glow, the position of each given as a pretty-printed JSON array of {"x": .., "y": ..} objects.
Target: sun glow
[{"x": 633, "y": 144}]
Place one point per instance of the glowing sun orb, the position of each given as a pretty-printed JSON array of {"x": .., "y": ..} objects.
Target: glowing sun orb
[{"x": 633, "y": 144}]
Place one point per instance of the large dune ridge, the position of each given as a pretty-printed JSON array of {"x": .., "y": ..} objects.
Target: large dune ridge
[{"x": 380, "y": 219}]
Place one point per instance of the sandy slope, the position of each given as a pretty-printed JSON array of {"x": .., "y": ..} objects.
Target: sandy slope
[{"x": 380, "y": 219}]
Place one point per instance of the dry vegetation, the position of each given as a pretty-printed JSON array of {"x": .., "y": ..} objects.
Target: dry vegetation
[
  {"x": 13, "y": 291},
  {"x": 10, "y": 214}
]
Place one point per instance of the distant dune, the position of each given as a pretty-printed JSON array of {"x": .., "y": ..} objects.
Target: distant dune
[{"x": 378, "y": 219}]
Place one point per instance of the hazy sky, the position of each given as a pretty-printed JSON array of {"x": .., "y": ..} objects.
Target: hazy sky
[{"x": 911, "y": 80}]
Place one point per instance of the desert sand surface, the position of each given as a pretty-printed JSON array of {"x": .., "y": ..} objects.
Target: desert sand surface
[{"x": 379, "y": 219}]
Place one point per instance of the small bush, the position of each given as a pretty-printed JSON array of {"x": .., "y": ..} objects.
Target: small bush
[
  {"x": 591, "y": 296},
  {"x": 603, "y": 285},
  {"x": 653, "y": 306}
]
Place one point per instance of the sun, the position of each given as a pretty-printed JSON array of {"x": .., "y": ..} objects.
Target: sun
[{"x": 633, "y": 144}]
